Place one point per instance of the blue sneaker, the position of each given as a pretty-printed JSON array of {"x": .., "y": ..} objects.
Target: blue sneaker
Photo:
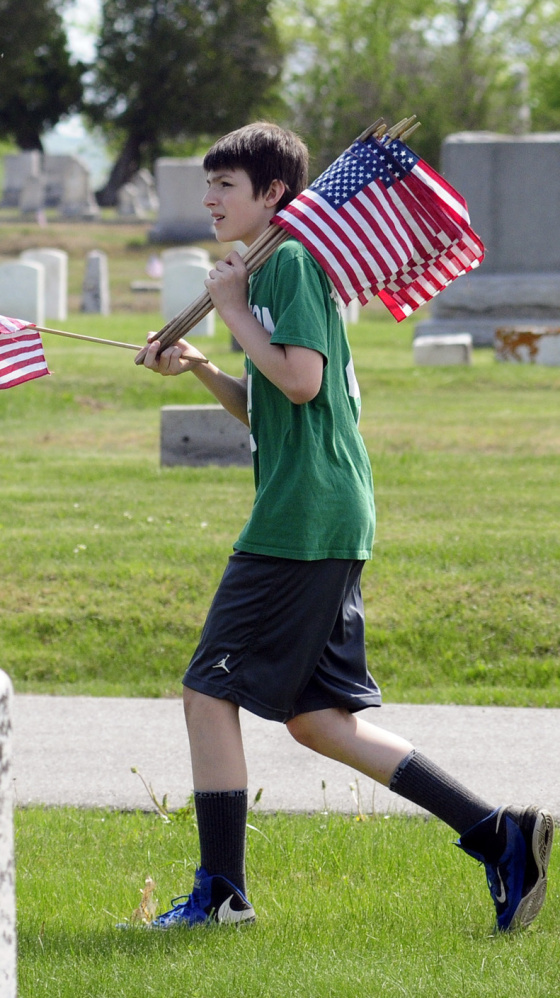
[
  {"x": 514, "y": 844},
  {"x": 214, "y": 899}
]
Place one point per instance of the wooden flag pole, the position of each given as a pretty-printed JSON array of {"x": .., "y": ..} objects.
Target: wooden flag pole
[{"x": 109, "y": 343}]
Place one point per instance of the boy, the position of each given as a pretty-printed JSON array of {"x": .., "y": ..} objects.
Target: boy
[{"x": 284, "y": 636}]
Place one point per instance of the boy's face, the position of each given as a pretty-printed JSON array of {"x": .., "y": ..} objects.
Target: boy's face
[{"x": 236, "y": 213}]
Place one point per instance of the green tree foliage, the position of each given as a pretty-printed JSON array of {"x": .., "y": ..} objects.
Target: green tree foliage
[
  {"x": 458, "y": 64},
  {"x": 170, "y": 69},
  {"x": 39, "y": 83}
]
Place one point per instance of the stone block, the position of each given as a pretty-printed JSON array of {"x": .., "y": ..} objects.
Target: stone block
[
  {"x": 55, "y": 262},
  {"x": 202, "y": 434},
  {"x": 528, "y": 345},
  {"x": 181, "y": 186},
  {"x": 22, "y": 291},
  {"x": 443, "y": 351},
  {"x": 7, "y": 873}
]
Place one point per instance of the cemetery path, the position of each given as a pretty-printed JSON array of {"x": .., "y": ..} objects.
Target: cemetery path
[{"x": 81, "y": 750}]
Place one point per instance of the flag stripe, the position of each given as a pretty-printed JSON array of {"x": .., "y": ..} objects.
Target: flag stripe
[{"x": 21, "y": 353}]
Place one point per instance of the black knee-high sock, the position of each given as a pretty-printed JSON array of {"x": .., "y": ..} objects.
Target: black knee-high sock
[
  {"x": 422, "y": 782},
  {"x": 222, "y": 829}
]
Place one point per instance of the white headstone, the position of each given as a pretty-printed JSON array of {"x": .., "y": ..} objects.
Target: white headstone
[
  {"x": 352, "y": 312},
  {"x": 22, "y": 291},
  {"x": 96, "y": 284},
  {"x": 184, "y": 273},
  {"x": 181, "y": 186},
  {"x": 8, "y": 956},
  {"x": 55, "y": 262}
]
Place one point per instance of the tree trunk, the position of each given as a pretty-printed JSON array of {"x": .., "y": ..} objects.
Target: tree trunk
[{"x": 125, "y": 166}]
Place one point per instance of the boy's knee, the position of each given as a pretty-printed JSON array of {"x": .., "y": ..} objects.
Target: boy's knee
[{"x": 302, "y": 730}]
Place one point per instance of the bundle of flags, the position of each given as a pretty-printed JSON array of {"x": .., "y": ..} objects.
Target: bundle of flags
[
  {"x": 21, "y": 352},
  {"x": 381, "y": 222}
]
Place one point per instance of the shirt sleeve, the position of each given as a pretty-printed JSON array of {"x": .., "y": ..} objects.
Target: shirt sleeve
[{"x": 302, "y": 304}]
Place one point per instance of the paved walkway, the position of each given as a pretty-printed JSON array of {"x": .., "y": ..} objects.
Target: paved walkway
[{"x": 80, "y": 751}]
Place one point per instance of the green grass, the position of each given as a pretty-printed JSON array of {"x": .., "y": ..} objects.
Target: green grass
[
  {"x": 109, "y": 561},
  {"x": 344, "y": 908}
]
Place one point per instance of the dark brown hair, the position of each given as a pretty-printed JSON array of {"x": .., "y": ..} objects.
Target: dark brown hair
[{"x": 266, "y": 152}]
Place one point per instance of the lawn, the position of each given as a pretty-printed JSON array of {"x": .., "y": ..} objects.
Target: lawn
[
  {"x": 110, "y": 561},
  {"x": 384, "y": 906}
]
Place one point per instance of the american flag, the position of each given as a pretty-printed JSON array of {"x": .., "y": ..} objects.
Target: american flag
[
  {"x": 381, "y": 222},
  {"x": 21, "y": 352},
  {"x": 402, "y": 297}
]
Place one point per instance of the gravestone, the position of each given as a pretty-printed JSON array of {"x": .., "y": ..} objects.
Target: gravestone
[
  {"x": 512, "y": 187},
  {"x": 184, "y": 273},
  {"x": 22, "y": 291},
  {"x": 443, "y": 351},
  {"x": 18, "y": 167},
  {"x": 68, "y": 187},
  {"x": 32, "y": 195},
  {"x": 55, "y": 262},
  {"x": 202, "y": 434},
  {"x": 8, "y": 956},
  {"x": 96, "y": 284},
  {"x": 145, "y": 185},
  {"x": 129, "y": 204},
  {"x": 181, "y": 186}
]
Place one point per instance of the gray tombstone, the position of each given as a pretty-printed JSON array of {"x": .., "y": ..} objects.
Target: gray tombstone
[
  {"x": 96, "y": 284},
  {"x": 202, "y": 434},
  {"x": 32, "y": 195},
  {"x": 512, "y": 187},
  {"x": 129, "y": 204},
  {"x": 55, "y": 262},
  {"x": 181, "y": 186},
  {"x": 68, "y": 186},
  {"x": 17, "y": 169},
  {"x": 22, "y": 291},
  {"x": 7, "y": 873},
  {"x": 145, "y": 185}
]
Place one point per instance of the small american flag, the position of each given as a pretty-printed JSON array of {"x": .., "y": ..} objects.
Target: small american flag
[
  {"x": 381, "y": 222},
  {"x": 21, "y": 352}
]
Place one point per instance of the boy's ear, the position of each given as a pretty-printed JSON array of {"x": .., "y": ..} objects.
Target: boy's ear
[{"x": 275, "y": 193}]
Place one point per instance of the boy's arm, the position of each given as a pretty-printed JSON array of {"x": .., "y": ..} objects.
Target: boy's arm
[
  {"x": 296, "y": 371},
  {"x": 229, "y": 391}
]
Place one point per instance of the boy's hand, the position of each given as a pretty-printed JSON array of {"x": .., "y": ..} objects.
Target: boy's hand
[
  {"x": 227, "y": 284},
  {"x": 181, "y": 357}
]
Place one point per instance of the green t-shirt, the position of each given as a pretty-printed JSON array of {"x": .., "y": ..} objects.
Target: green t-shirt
[{"x": 314, "y": 491}]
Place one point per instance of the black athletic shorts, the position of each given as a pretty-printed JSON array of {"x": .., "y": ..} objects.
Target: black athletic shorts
[{"x": 285, "y": 637}]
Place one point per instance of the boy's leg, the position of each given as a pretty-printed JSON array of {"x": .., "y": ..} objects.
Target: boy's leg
[
  {"x": 220, "y": 795},
  {"x": 390, "y": 760},
  {"x": 220, "y": 784},
  {"x": 513, "y": 843}
]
